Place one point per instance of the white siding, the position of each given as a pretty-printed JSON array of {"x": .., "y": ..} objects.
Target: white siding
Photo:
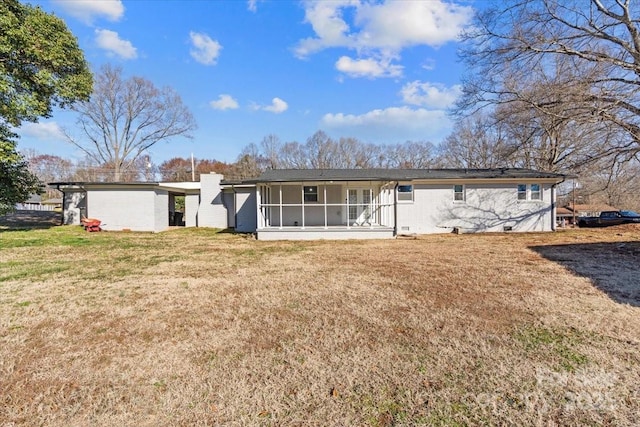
[
  {"x": 130, "y": 209},
  {"x": 212, "y": 212},
  {"x": 246, "y": 210},
  {"x": 487, "y": 207},
  {"x": 191, "y": 203},
  {"x": 161, "y": 210}
]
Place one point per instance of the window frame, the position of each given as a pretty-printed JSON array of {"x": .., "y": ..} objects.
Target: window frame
[
  {"x": 522, "y": 194},
  {"x": 310, "y": 196},
  {"x": 401, "y": 189},
  {"x": 539, "y": 192},
  {"x": 462, "y": 193},
  {"x": 527, "y": 193}
]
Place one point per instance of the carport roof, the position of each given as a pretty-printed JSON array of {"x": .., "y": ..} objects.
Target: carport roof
[
  {"x": 285, "y": 175},
  {"x": 176, "y": 187}
]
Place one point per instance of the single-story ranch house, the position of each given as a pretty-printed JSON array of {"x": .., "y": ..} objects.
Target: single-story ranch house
[{"x": 328, "y": 203}]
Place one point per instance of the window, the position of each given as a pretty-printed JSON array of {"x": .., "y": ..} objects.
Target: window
[
  {"x": 458, "y": 193},
  {"x": 535, "y": 192},
  {"x": 522, "y": 192},
  {"x": 529, "y": 192},
  {"x": 405, "y": 193},
  {"x": 311, "y": 193}
]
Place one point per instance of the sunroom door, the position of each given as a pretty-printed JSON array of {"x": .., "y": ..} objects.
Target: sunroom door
[{"x": 360, "y": 210}]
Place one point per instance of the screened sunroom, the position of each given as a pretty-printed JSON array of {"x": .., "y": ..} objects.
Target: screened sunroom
[{"x": 349, "y": 208}]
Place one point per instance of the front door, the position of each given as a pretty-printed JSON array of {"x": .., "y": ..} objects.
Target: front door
[{"x": 359, "y": 200}]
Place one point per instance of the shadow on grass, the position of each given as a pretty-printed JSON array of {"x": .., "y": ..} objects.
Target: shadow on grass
[
  {"x": 612, "y": 267},
  {"x": 28, "y": 220}
]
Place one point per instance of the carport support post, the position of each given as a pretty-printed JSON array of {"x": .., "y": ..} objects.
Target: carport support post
[{"x": 261, "y": 219}]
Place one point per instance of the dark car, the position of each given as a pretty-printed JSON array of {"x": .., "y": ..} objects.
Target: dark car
[{"x": 608, "y": 218}]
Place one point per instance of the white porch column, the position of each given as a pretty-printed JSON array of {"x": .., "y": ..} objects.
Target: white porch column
[
  {"x": 259, "y": 206},
  {"x": 302, "y": 196},
  {"x": 348, "y": 221},
  {"x": 324, "y": 199},
  {"x": 280, "y": 204}
]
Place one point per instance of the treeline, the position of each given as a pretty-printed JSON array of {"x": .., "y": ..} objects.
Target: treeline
[{"x": 478, "y": 142}]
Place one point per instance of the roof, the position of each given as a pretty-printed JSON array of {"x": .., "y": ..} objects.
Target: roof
[
  {"x": 284, "y": 175},
  {"x": 34, "y": 199},
  {"x": 564, "y": 212},
  {"x": 52, "y": 201},
  {"x": 177, "y": 187},
  {"x": 596, "y": 207},
  {"x": 105, "y": 184}
]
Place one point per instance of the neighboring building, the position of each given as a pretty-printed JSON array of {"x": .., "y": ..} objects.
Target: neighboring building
[
  {"x": 589, "y": 209},
  {"x": 330, "y": 204},
  {"x": 564, "y": 217},
  {"x": 35, "y": 203}
]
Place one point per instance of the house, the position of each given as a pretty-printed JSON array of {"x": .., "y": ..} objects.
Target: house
[
  {"x": 330, "y": 203},
  {"x": 564, "y": 217},
  {"x": 589, "y": 209}
]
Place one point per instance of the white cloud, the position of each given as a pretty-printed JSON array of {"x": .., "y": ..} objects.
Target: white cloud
[
  {"x": 368, "y": 67},
  {"x": 326, "y": 19},
  {"x": 277, "y": 106},
  {"x": 431, "y": 95},
  {"x": 388, "y": 25},
  {"x": 87, "y": 10},
  {"x": 380, "y": 30},
  {"x": 396, "y": 25},
  {"x": 252, "y": 5},
  {"x": 224, "y": 102},
  {"x": 113, "y": 44},
  {"x": 395, "y": 124},
  {"x": 48, "y": 131},
  {"x": 206, "y": 50},
  {"x": 429, "y": 64}
]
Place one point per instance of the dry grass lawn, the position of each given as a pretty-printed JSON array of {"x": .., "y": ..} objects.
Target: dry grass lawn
[{"x": 193, "y": 327}]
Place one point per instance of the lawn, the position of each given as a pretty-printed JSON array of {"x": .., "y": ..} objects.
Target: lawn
[{"x": 194, "y": 327}]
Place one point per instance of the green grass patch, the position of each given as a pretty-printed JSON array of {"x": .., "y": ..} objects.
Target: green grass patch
[
  {"x": 561, "y": 345},
  {"x": 71, "y": 236},
  {"x": 16, "y": 270}
]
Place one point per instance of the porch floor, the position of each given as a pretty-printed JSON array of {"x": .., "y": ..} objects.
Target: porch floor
[{"x": 340, "y": 232}]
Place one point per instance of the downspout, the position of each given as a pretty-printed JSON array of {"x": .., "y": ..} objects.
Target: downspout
[
  {"x": 235, "y": 207},
  {"x": 553, "y": 207},
  {"x": 64, "y": 200}
]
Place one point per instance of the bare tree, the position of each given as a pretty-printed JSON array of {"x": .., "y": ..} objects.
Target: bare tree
[
  {"x": 272, "y": 149},
  {"x": 572, "y": 62},
  {"x": 477, "y": 141},
  {"x": 320, "y": 151},
  {"x": 124, "y": 118},
  {"x": 49, "y": 168},
  {"x": 179, "y": 168},
  {"x": 615, "y": 183},
  {"x": 293, "y": 156}
]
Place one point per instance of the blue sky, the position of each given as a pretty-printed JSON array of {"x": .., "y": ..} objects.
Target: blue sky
[{"x": 381, "y": 71}]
